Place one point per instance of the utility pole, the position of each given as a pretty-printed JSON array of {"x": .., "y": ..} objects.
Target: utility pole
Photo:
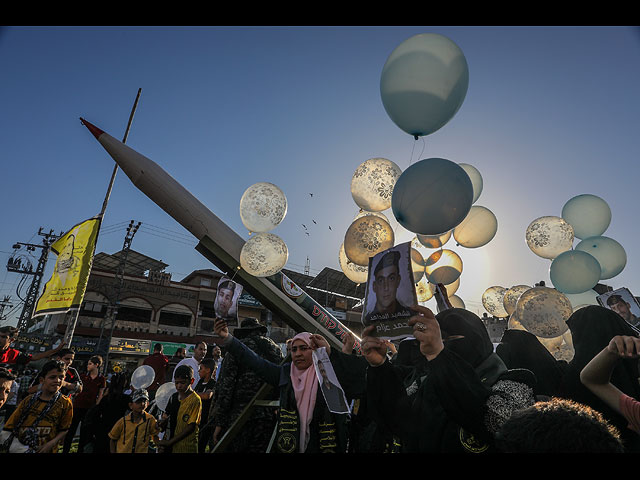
[
  {"x": 4, "y": 304},
  {"x": 112, "y": 309},
  {"x": 15, "y": 265}
]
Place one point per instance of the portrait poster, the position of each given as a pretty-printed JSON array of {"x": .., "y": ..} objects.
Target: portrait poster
[
  {"x": 331, "y": 390},
  {"x": 226, "y": 302},
  {"x": 390, "y": 293},
  {"x": 624, "y": 304}
]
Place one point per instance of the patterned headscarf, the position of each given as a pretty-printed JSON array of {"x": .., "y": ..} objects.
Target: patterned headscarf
[{"x": 305, "y": 387}]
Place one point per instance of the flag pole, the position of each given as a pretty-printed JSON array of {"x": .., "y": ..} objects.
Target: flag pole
[{"x": 68, "y": 336}]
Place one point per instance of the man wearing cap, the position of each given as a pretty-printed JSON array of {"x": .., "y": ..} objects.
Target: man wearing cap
[
  {"x": 237, "y": 385},
  {"x": 385, "y": 285},
  {"x": 623, "y": 308}
]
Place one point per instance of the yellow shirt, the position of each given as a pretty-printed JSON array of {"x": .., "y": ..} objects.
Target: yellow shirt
[
  {"x": 133, "y": 437},
  {"x": 55, "y": 421},
  {"x": 189, "y": 412}
]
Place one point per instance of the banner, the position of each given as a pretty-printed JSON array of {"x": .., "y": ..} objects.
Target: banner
[{"x": 68, "y": 282}]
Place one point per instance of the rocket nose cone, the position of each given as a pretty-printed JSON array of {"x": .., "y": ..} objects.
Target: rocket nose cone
[{"x": 92, "y": 128}]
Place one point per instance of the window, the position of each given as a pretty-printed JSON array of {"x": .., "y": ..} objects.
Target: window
[{"x": 175, "y": 319}]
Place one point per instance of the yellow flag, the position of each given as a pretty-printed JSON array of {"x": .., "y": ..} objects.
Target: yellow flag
[{"x": 75, "y": 249}]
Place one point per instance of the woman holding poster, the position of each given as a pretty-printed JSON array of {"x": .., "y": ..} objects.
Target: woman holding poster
[{"x": 460, "y": 399}]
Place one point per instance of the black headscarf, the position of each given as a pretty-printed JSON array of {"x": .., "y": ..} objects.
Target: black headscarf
[
  {"x": 592, "y": 328},
  {"x": 522, "y": 349},
  {"x": 476, "y": 345}
]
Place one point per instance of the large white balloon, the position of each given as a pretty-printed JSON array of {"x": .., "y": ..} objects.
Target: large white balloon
[
  {"x": 354, "y": 272},
  {"x": 543, "y": 311},
  {"x": 262, "y": 207},
  {"x": 608, "y": 252},
  {"x": 432, "y": 196},
  {"x": 263, "y": 255},
  {"x": 142, "y": 377},
  {"x": 549, "y": 236},
  {"x": 477, "y": 229},
  {"x": 443, "y": 266},
  {"x": 493, "y": 301},
  {"x": 163, "y": 394},
  {"x": 476, "y": 179},
  {"x": 367, "y": 236},
  {"x": 372, "y": 184},
  {"x": 589, "y": 215},
  {"x": 574, "y": 271},
  {"x": 511, "y": 297},
  {"x": 423, "y": 83}
]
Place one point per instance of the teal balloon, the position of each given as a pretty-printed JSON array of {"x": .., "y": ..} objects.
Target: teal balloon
[
  {"x": 609, "y": 253},
  {"x": 589, "y": 215},
  {"x": 574, "y": 271},
  {"x": 432, "y": 196},
  {"x": 423, "y": 83}
]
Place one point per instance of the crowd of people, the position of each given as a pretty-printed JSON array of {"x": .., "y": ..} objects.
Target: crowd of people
[{"x": 445, "y": 389}]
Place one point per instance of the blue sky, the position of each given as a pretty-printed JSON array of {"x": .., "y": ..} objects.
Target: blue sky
[{"x": 550, "y": 113}]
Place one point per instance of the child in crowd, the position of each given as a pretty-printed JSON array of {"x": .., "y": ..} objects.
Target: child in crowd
[
  {"x": 182, "y": 414},
  {"x": 204, "y": 389},
  {"x": 133, "y": 432},
  {"x": 42, "y": 419},
  {"x": 6, "y": 381}
]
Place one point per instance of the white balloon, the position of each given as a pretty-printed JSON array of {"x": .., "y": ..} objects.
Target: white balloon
[
  {"x": 163, "y": 394},
  {"x": 476, "y": 179},
  {"x": 549, "y": 236},
  {"x": 142, "y": 377},
  {"x": 372, "y": 184},
  {"x": 264, "y": 254},
  {"x": 262, "y": 207},
  {"x": 424, "y": 290}
]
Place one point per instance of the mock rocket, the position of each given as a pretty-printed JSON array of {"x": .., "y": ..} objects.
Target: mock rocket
[{"x": 219, "y": 243}]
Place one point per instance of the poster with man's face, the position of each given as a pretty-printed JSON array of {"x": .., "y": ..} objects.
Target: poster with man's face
[
  {"x": 390, "y": 293},
  {"x": 226, "y": 303},
  {"x": 623, "y": 303},
  {"x": 331, "y": 389}
]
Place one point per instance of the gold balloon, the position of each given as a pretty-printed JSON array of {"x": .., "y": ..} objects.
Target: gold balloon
[
  {"x": 477, "y": 229},
  {"x": 355, "y": 273},
  {"x": 443, "y": 266},
  {"x": 417, "y": 265},
  {"x": 456, "y": 301},
  {"x": 544, "y": 311},
  {"x": 366, "y": 237},
  {"x": 511, "y": 297},
  {"x": 434, "y": 241},
  {"x": 372, "y": 184},
  {"x": 424, "y": 290},
  {"x": 493, "y": 301}
]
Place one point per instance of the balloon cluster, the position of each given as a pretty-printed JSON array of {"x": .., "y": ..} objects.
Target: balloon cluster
[
  {"x": 595, "y": 257},
  {"x": 422, "y": 86},
  {"x": 262, "y": 207}
]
